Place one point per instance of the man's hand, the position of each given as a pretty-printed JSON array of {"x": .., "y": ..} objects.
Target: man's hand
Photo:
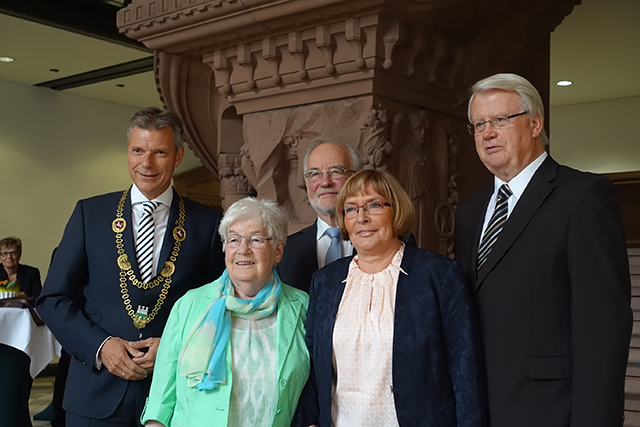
[
  {"x": 116, "y": 355},
  {"x": 146, "y": 360}
]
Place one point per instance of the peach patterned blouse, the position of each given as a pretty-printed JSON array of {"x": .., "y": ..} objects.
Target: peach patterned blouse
[{"x": 363, "y": 348}]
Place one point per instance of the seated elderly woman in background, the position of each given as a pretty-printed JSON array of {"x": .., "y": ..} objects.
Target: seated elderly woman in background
[
  {"x": 233, "y": 352},
  {"x": 391, "y": 331},
  {"x": 27, "y": 277}
]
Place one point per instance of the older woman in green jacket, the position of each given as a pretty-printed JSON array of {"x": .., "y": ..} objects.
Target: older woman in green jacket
[{"x": 233, "y": 351}]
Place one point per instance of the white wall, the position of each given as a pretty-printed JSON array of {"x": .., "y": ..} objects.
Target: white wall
[
  {"x": 600, "y": 137},
  {"x": 55, "y": 149}
]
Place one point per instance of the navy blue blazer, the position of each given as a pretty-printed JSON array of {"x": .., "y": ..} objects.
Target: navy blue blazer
[
  {"x": 81, "y": 300},
  {"x": 28, "y": 278},
  {"x": 438, "y": 374}
]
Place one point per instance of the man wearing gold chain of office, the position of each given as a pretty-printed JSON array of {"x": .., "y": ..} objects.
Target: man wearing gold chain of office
[{"x": 124, "y": 260}]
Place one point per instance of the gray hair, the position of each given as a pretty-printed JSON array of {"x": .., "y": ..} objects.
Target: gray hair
[
  {"x": 10, "y": 242},
  {"x": 265, "y": 210},
  {"x": 356, "y": 160},
  {"x": 530, "y": 99},
  {"x": 153, "y": 118}
]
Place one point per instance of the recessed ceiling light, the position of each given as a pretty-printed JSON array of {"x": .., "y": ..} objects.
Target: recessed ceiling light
[
  {"x": 6, "y": 59},
  {"x": 564, "y": 83}
]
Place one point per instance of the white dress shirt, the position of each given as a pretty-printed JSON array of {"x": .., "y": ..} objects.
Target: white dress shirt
[
  {"x": 517, "y": 185},
  {"x": 323, "y": 242},
  {"x": 160, "y": 218}
]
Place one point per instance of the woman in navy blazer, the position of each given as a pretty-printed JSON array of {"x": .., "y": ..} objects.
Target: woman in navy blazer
[{"x": 435, "y": 363}]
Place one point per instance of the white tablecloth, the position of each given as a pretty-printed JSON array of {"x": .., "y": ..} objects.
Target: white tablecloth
[{"x": 18, "y": 330}]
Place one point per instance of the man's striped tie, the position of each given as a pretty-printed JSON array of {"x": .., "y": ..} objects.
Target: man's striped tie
[
  {"x": 144, "y": 243},
  {"x": 495, "y": 225}
]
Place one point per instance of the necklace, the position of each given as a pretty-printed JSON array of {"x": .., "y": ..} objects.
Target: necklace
[{"x": 141, "y": 317}]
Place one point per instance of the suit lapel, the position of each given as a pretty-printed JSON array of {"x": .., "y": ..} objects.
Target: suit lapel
[
  {"x": 310, "y": 237},
  {"x": 168, "y": 241},
  {"x": 479, "y": 216},
  {"x": 404, "y": 297},
  {"x": 127, "y": 236},
  {"x": 534, "y": 195}
]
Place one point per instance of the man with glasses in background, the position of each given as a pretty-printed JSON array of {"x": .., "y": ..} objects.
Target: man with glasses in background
[
  {"x": 328, "y": 164},
  {"x": 543, "y": 250}
]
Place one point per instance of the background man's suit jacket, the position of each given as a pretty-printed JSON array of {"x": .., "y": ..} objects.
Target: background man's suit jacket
[
  {"x": 553, "y": 299},
  {"x": 81, "y": 301},
  {"x": 28, "y": 279},
  {"x": 300, "y": 260},
  {"x": 438, "y": 376}
]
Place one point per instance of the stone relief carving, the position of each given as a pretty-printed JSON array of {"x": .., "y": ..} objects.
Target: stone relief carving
[
  {"x": 445, "y": 210},
  {"x": 234, "y": 184},
  {"x": 375, "y": 139},
  {"x": 273, "y": 160},
  {"x": 425, "y": 163}
]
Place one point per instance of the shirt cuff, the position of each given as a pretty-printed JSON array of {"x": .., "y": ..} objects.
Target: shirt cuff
[{"x": 98, "y": 361}]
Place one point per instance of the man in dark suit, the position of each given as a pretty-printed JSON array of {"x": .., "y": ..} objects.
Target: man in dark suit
[
  {"x": 327, "y": 165},
  {"x": 124, "y": 260},
  {"x": 552, "y": 282}
]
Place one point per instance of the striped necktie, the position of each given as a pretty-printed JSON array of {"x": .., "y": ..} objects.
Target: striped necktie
[
  {"x": 144, "y": 243},
  {"x": 335, "y": 248},
  {"x": 495, "y": 225}
]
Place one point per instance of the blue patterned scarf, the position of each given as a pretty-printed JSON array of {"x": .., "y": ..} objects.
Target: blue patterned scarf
[{"x": 210, "y": 332}]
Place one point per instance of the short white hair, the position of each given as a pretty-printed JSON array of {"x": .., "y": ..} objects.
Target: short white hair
[
  {"x": 356, "y": 159},
  {"x": 530, "y": 99},
  {"x": 264, "y": 210}
]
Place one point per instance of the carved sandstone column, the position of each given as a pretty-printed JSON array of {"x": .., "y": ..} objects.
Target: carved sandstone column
[{"x": 389, "y": 77}]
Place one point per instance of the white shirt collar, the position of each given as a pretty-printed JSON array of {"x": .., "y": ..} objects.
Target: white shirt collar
[
  {"x": 519, "y": 182},
  {"x": 322, "y": 228},
  {"x": 164, "y": 199}
]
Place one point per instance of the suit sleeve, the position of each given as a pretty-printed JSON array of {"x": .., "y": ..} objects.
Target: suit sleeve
[
  {"x": 58, "y": 305},
  {"x": 307, "y": 411},
  {"x": 463, "y": 350},
  {"x": 216, "y": 255},
  {"x": 600, "y": 306}
]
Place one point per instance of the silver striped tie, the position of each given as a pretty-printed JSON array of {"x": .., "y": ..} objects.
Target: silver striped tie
[
  {"x": 495, "y": 225},
  {"x": 144, "y": 243}
]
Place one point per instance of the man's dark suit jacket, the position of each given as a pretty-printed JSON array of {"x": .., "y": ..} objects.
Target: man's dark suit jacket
[
  {"x": 300, "y": 259},
  {"x": 28, "y": 279},
  {"x": 438, "y": 375},
  {"x": 84, "y": 270},
  {"x": 554, "y": 301}
]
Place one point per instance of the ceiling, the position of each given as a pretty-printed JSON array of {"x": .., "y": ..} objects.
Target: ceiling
[{"x": 62, "y": 44}]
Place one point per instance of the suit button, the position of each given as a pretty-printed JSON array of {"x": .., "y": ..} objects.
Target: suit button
[{"x": 283, "y": 382}]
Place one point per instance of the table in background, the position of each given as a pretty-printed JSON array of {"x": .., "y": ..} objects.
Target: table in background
[{"x": 25, "y": 350}]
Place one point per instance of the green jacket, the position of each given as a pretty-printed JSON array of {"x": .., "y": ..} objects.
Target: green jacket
[{"x": 174, "y": 404}]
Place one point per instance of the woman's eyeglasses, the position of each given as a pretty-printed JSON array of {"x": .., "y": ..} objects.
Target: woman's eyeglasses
[
  {"x": 372, "y": 208},
  {"x": 253, "y": 240}
]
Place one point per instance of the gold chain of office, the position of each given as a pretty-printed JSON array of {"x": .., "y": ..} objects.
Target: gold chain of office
[{"x": 126, "y": 272}]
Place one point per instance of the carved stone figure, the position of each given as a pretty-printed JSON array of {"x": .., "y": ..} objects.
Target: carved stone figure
[{"x": 376, "y": 145}]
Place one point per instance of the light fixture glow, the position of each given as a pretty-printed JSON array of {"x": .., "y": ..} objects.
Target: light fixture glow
[
  {"x": 564, "y": 83},
  {"x": 6, "y": 59}
]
